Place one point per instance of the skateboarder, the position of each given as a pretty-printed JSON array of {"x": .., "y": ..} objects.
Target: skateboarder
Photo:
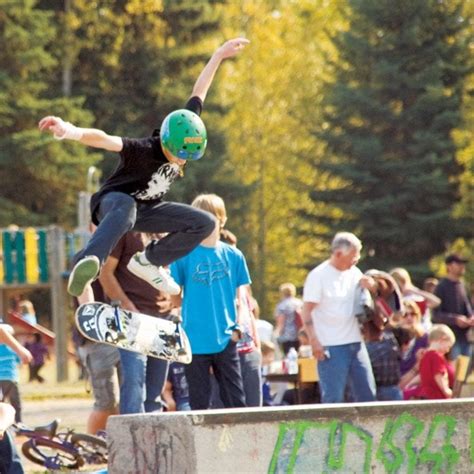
[{"x": 131, "y": 198}]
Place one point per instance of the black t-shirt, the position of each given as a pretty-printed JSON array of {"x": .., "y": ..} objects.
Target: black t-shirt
[
  {"x": 143, "y": 295},
  {"x": 454, "y": 301},
  {"x": 143, "y": 172}
]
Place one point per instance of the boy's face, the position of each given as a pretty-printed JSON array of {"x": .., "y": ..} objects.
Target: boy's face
[
  {"x": 173, "y": 159},
  {"x": 445, "y": 345},
  {"x": 442, "y": 345}
]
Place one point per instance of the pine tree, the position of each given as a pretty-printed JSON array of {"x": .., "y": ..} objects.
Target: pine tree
[
  {"x": 389, "y": 117},
  {"x": 40, "y": 177}
]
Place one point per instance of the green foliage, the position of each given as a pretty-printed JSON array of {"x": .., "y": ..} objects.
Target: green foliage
[
  {"x": 40, "y": 177},
  {"x": 390, "y": 111},
  {"x": 349, "y": 115},
  {"x": 273, "y": 105}
]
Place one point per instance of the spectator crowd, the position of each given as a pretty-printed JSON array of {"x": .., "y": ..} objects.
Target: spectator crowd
[
  {"x": 373, "y": 335},
  {"x": 385, "y": 338}
]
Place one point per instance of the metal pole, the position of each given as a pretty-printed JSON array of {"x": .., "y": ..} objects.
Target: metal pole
[
  {"x": 56, "y": 259},
  {"x": 67, "y": 53}
]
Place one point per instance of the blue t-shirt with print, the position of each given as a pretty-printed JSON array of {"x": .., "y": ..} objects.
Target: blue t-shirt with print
[
  {"x": 9, "y": 362},
  {"x": 210, "y": 277}
]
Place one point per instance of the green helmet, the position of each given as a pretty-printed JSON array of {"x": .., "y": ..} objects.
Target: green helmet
[{"x": 184, "y": 135}]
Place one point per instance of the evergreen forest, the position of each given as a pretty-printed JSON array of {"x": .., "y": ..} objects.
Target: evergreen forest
[{"x": 353, "y": 115}]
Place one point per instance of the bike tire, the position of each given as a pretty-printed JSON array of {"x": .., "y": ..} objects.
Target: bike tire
[
  {"x": 91, "y": 448},
  {"x": 36, "y": 450}
]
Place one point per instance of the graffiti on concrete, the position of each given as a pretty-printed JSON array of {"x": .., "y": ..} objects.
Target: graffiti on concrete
[{"x": 406, "y": 444}]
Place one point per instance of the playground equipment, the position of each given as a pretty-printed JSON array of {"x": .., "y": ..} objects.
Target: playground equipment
[
  {"x": 33, "y": 258},
  {"x": 40, "y": 257}
]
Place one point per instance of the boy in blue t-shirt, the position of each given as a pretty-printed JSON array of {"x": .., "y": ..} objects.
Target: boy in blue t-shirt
[
  {"x": 9, "y": 378},
  {"x": 210, "y": 276}
]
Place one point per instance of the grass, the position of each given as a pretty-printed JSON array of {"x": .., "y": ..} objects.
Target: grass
[{"x": 51, "y": 389}]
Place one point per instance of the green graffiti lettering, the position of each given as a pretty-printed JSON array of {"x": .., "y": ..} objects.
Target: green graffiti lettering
[
  {"x": 471, "y": 444},
  {"x": 334, "y": 458},
  {"x": 284, "y": 428},
  {"x": 387, "y": 443},
  {"x": 447, "y": 454},
  {"x": 397, "y": 450}
]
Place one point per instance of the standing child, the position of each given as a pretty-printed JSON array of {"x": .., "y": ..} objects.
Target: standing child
[
  {"x": 39, "y": 352},
  {"x": 176, "y": 391},
  {"x": 9, "y": 378},
  {"x": 288, "y": 318},
  {"x": 436, "y": 373},
  {"x": 211, "y": 276},
  {"x": 131, "y": 198},
  {"x": 268, "y": 357}
]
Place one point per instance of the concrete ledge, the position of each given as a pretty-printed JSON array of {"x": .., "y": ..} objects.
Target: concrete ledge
[{"x": 418, "y": 437}]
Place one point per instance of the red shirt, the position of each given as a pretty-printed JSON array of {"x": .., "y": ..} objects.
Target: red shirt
[{"x": 433, "y": 363}]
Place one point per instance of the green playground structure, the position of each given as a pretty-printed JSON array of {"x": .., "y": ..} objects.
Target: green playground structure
[
  {"x": 40, "y": 257},
  {"x": 25, "y": 258}
]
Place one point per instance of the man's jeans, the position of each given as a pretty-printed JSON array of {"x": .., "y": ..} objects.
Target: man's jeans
[
  {"x": 346, "y": 364},
  {"x": 118, "y": 213},
  {"x": 143, "y": 379},
  {"x": 389, "y": 393},
  {"x": 461, "y": 347}
]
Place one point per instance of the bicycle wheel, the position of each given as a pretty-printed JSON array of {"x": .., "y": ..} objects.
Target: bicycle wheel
[
  {"x": 51, "y": 454},
  {"x": 91, "y": 448}
]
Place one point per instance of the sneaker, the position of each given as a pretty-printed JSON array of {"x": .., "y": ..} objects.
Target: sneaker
[
  {"x": 83, "y": 273},
  {"x": 158, "y": 277}
]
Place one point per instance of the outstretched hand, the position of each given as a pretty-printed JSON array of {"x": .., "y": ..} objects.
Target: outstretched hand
[
  {"x": 25, "y": 355},
  {"x": 232, "y": 47},
  {"x": 53, "y": 124}
]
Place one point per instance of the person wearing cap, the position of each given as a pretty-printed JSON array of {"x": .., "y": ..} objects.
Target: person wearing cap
[
  {"x": 455, "y": 309},
  {"x": 132, "y": 197}
]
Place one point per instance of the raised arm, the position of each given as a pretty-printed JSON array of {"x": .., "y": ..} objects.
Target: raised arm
[
  {"x": 88, "y": 136},
  {"x": 229, "y": 49}
]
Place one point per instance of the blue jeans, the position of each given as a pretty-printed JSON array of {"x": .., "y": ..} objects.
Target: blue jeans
[
  {"x": 346, "y": 364},
  {"x": 251, "y": 367},
  {"x": 117, "y": 213},
  {"x": 389, "y": 392},
  {"x": 461, "y": 347},
  {"x": 143, "y": 379}
]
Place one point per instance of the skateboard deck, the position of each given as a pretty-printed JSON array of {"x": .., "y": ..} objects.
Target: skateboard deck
[{"x": 139, "y": 332}]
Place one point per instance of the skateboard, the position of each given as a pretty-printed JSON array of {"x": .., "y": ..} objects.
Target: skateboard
[{"x": 136, "y": 332}]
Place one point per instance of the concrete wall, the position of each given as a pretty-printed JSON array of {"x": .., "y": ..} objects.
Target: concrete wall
[{"x": 398, "y": 437}]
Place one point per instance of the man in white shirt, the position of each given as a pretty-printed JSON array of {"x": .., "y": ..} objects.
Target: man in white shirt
[{"x": 332, "y": 327}]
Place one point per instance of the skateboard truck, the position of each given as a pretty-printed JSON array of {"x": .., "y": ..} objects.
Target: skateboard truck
[
  {"x": 176, "y": 318},
  {"x": 118, "y": 322}
]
